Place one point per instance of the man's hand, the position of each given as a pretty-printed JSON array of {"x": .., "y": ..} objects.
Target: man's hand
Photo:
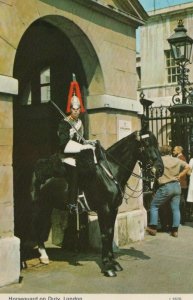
[
  {"x": 90, "y": 142},
  {"x": 184, "y": 172}
]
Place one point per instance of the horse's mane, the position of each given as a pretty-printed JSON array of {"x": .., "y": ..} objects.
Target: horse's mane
[
  {"x": 120, "y": 142},
  {"x": 120, "y": 147}
]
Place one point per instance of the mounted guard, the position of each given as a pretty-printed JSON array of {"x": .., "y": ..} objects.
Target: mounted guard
[
  {"x": 72, "y": 142},
  {"x": 104, "y": 190}
]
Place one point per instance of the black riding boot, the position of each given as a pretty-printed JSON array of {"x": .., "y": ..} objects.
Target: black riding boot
[{"x": 73, "y": 188}]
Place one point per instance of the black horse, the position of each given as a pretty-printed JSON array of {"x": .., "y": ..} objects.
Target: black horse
[{"x": 103, "y": 190}]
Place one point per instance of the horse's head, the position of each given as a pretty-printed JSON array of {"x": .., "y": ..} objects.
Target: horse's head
[{"x": 149, "y": 154}]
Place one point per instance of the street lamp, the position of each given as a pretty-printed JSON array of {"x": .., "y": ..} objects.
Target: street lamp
[
  {"x": 182, "y": 110},
  {"x": 181, "y": 47},
  {"x": 145, "y": 117},
  {"x": 145, "y": 103}
]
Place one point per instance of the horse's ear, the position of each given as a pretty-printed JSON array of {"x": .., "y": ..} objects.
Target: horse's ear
[{"x": 137, "y": 135}]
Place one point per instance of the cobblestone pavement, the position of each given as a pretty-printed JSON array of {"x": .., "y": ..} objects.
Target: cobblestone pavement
[{"x": 157, "y": 265}]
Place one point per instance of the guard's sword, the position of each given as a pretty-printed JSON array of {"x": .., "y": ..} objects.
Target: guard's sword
[{"x": 66, "y": 119}]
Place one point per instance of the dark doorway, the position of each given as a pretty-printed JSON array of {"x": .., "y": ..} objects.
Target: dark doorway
[{"x": 44, "y": 63}]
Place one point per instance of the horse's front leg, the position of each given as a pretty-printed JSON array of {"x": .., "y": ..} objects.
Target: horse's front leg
[
  {"x": 106, "y": 218},
  {"x": 116, "y": 266}
]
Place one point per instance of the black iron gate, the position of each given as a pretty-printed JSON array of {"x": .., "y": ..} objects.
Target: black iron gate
[
  {"x": 159, "y": 120},
  {"x": 172, "y": 125},
  {"x": 182, "y": 128}
]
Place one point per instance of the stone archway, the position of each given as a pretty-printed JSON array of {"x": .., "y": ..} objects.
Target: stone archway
[{"x": 50, "y": 43}]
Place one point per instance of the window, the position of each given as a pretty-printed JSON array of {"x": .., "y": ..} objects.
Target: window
[
  {"x": 139, "y": 76},
  {"x": 172, "y": 68},
  {"x": 37, "y": 90},
  {"x": 45, "y": 85}
]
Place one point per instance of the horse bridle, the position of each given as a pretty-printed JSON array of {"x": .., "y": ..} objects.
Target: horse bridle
[
  {"x": 109, "y": 172},
  {"x": 148, "y": 165},
  {"x": 148, "y": 168}
]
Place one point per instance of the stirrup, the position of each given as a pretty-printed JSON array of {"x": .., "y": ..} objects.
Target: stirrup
[{"x": 83, "y": 203}]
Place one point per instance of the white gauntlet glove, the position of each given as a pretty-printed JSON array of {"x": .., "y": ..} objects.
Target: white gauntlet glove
[{"x": 87, "y": 146}]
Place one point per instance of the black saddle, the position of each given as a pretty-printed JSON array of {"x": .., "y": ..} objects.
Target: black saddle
[{"x": 46, "y": 168}]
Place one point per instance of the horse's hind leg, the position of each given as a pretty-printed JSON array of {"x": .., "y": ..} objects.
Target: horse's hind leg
[
  {"x": 43, "y": 229},
  {"x": 42, "y": 223},
  {"x": 44, "y": 259}
]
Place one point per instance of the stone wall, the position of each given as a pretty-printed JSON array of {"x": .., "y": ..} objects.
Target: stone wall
[{"x": 9, "y": 245}]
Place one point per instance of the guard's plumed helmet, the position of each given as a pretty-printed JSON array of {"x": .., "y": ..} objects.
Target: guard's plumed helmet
[
  {"x": 75, "y": 103},
  {"x": 74, "y": 96}
]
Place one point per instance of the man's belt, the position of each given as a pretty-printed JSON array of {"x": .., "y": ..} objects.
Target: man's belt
[{"x": 168, "y": 182}]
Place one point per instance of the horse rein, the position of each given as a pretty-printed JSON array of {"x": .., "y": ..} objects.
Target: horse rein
[{"x": 109, "y": 172}]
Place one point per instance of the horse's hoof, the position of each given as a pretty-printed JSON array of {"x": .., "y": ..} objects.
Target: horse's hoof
[
  {"x": 44, "y": 260},
  {"x": 110, "y": 273},
  {"x": 117, "y": 267}
]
